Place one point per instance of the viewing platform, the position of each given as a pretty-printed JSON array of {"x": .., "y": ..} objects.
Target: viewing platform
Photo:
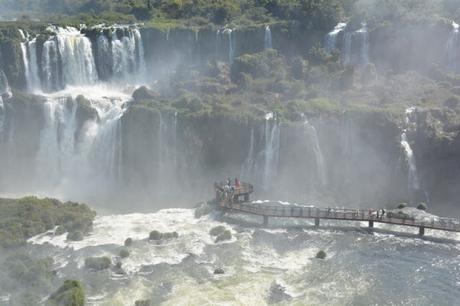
[{"x": 238, "y": 201}]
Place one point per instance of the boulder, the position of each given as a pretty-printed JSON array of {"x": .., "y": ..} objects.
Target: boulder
[{"x": 143, "y": 93}]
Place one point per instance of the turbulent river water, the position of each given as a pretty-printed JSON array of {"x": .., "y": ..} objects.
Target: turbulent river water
[{"x": 273, "y": 265}]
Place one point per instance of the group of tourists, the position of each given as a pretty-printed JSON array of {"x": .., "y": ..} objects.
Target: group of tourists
[{"x": 227, "y": 192}]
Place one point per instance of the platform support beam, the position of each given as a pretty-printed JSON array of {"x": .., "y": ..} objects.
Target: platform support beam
[
  {"x": 265, "y": 220},
  {"x": 421, "y": 231},
  {"x": 316, "y": 222}
]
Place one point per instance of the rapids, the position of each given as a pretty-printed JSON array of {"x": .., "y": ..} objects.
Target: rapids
[{"x": 262, "y": 265}]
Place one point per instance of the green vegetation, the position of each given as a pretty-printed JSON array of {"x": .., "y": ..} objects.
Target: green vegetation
[
  {"x": 26, "y": 217},
  {"x": 402, "y": 205},
  {"x": 321, "y": 255},
  {"x": 28, "y": 271},
  {"x": 71, "y": 293},
  {"x": 98, "y": 263}
]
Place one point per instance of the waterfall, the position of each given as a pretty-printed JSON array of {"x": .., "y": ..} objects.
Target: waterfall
[
  {"x": 408, "y": 152},
  {"x": 453, "y": 48},
  {"x": 76, "y": 55},
  {"x": 364, "y": 40},
  {"x": 347, "y": 44},
  {"x": 50, "y": 78},
  {"x": 231, "y": 44},
  {"x": 331, "y": 37},
  {"x": 5, "y": 91},
  {"x": 271, "y": 151},
  {"x": 76, "y": 156},
  {"x": 349, "y": 38},
  {"x": 29, "y": 55},
  {"x": 128, "y": 57},
  {"x": 248, "y": 167},
  {"x": 319, "y": 158},
  {"x": 268, "y": 38}
]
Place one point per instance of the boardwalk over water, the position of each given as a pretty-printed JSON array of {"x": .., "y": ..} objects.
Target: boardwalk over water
[{"x": 276, "y": 209}]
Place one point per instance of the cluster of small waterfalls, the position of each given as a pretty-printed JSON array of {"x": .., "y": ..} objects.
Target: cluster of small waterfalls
[{"x": 355, "y": 46}]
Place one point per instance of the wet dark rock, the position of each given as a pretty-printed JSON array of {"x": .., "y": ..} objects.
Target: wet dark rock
[
  {"x": 321, "y": 255},
  {"x": 422, "y": 206},
  {"x": 128, "y": 242},
  {"x": 218, "y": 271}
]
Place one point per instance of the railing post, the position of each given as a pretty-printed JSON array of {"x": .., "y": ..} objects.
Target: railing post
[
  {"x": 421, "y": 231},
  {"x": 265, "y": 220},
  {"x": 316, "y": 222}
]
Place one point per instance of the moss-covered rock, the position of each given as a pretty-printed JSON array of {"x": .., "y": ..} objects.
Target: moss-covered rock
[
  {"x": 156, "y": 235},
  {"x": 98, "y": 263},
  {"x": 225, "y": 235},
  {"x": 217, "y": 230},
  {"x": 71, "y": 293},
  {"x": 124, "y": 253},
  {"x": 145, "y": 94},
  {"x": 29, "y": 216}
]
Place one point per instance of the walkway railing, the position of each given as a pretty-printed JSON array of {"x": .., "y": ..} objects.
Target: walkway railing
[{"x": 293, "y": 211}]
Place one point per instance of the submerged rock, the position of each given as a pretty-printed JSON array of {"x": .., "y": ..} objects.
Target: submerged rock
[
  {"x": 277, "y": 294},
  {"x": 70, "y": 293},
  {"x": 124, "y": 253}
]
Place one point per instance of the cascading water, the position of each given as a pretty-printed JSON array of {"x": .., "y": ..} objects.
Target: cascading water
[
  {"x": 268, "y": 38},
  {"x": 408, "y": 152},
  {"x": 231, "y": 44},
  {"x": 331, "y": 37},
  {"x": 80, "y": 156},
  {"x": 347, "y": 44},
  {"x": 29, "y": 55},
  {"x": 5, "y": 91},
  {"x": 453, "y": 48},
  {"x": 319, "y": 158},
  {"x": 249, "y": 165},
  {"x": 67, "y": 58},
  {"x": 271, "y": 151},
  {"x": 349, "y": 39},
  {"x": 364, "y": 40}
]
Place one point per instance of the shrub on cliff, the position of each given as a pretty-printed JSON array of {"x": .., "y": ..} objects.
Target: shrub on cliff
[
  {"x": 97, "y": 263},
  {"x": 402, "y": 205},
  {"x": 71, "y": 293},
  {"x": 29, "y": 271}
]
